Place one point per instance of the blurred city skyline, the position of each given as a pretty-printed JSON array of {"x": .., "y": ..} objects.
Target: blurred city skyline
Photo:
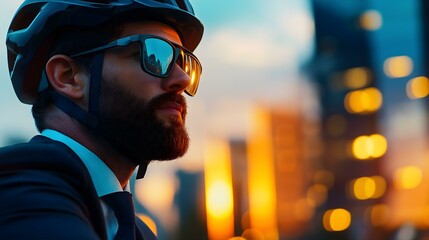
[{"x": 310, "y": 123}]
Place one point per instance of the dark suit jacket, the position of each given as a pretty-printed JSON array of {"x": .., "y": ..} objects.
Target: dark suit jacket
[{"x": 47, "y": 193}]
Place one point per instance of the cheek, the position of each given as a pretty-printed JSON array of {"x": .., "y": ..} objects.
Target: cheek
[{"x": 130, "y": 76}]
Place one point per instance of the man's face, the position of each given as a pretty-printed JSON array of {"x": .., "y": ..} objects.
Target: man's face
[{"x": 142, "y": 116}]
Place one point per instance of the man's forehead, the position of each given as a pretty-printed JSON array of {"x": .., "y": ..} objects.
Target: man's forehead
[{"x": 150, "y": 27}]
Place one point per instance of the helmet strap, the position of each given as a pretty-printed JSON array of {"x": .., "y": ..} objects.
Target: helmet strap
[
  {"x": 89, "y": 118},
  {"x": 95, "y": 84},
  {"x": 142, "y": 170}
]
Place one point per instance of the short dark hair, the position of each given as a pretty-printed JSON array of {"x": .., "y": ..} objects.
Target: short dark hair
[{"x": 69, "y": 41}]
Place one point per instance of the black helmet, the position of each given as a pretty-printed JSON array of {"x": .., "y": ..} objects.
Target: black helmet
[{"x": 29, "y": 34}]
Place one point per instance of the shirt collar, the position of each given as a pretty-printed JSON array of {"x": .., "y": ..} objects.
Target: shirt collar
[{"x": 104, "y": 179}]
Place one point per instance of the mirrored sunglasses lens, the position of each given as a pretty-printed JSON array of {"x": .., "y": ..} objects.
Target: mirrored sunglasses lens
[
  {"x": 157, "y": 56},
  {"x": 193, "y": 69}
]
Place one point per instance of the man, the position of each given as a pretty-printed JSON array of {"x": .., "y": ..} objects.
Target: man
[{"x": 106, "y": 80}]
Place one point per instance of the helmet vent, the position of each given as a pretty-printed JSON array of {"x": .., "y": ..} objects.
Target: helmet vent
[
  {"x": 181, "y": 4},
  {"x": 26, "y": 16},
  {"x": 98, "y": 1}
]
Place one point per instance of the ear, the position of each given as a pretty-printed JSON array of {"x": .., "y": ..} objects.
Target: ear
[{"x": 66, "y": 77}]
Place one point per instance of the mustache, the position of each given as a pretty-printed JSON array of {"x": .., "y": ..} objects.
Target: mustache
[{"x": 168, "y": 98}]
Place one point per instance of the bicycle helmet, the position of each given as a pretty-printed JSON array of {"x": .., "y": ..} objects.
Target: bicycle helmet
[{"x": 31, "y": 31}]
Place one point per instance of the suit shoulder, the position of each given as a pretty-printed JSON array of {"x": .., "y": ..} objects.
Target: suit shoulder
[{"x": 40, "y": 153}]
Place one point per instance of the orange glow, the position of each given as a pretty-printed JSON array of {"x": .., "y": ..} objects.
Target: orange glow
[
  {"x": 399, "y": 66},
  {"x": 418, "y": 87},
  {"x": 253, "y": 234},
  {"x": 336, "y": 220},
  {"x": 369, "y": 147},
  {"x": 362, "y": 147},
  {"x": 193, "y": 76},
  {"x": 219, "y": 199},
  {"x": 380, "y": 145},
  {"x": 364, "y": 188},
  {"x": 424, "y": 216},
  {"x": 378, "y": 215},
  {"x": 408, "y": 177},
  {"x": 357, "y": 77},
  {"x": 318, "y": 193},
  {"x": 156, "y": 193},
  {"x": 363, "y": 101},
  {"x": 324, "y": 177},
  {"x": 262, "y": 194},
  {"x": 371, "y": 20},
  {"x": 380, "y": 186},
  {"x": 149, "y": 222},
  {"x": 369, "y": 187},
  {"x": 218, "y": 185},
  {"x": 304, "y": 209}
]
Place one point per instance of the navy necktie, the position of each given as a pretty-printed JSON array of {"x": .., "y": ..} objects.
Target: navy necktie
[{"x": 123, "y": 207}]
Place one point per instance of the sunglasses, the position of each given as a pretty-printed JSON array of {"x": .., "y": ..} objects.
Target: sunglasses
[{"x": 158, "y": 56}]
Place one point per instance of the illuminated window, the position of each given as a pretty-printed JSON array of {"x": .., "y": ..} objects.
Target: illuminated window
[{"x": 397, "y": 67}]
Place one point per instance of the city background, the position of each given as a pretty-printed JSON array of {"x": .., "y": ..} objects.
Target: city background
[{"x": 310, "y": 123}]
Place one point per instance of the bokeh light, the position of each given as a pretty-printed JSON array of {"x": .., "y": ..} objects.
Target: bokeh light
[
  {"x": 363, "y": 101},
  {"x": 408, "y": 177},
  {"x": 358, "y": 77},
  {"x": 418, "y": 87},
  {"x": 371, "y": 20},
  {"x": 369, "y": 147},
  {"x": 378, "y": 215},
  {"x": 399, "y": 66},
  {"x": 365, "y": 188},
  {"x": 218, "y": 187},
  {"x": 335, "y": 220}
]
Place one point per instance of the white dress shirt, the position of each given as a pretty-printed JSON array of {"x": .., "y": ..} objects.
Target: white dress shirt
[{"x": 105, "y": 181}]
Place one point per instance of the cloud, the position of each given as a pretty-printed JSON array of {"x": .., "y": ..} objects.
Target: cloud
[
  {"x": 268, "y": 39},
  {"x": 254, "y": 48},
  {"x": 299, "y": 26}
]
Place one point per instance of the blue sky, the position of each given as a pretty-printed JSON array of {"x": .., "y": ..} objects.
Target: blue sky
[{"x": 251, "y": 52}]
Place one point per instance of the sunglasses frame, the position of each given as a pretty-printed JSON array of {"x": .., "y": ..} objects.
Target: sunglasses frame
[{"x": 178, "y": 50}]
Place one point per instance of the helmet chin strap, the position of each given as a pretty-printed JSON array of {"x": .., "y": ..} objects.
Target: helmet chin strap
[{"x": 89, "y": 118}]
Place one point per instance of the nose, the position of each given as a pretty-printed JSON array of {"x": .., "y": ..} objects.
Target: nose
[{"x": 177, "y": 82}]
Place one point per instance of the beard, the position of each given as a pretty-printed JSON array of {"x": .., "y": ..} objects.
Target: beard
[{"x": 131, "y": 127}]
